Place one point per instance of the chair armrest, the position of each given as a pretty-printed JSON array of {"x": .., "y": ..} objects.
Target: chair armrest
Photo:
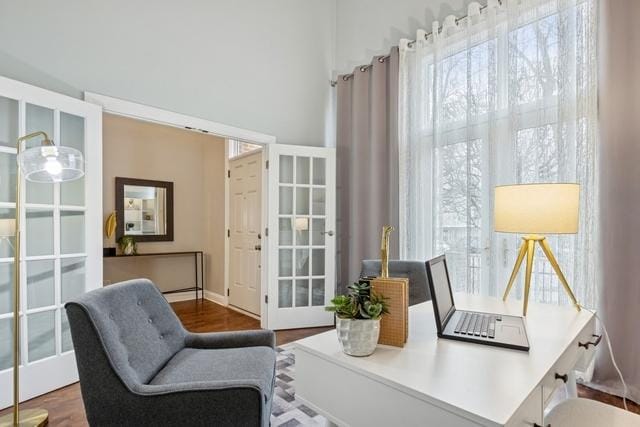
[{"x": 255, "y": 338}]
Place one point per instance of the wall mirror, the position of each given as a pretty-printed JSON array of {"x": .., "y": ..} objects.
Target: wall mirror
[{"x": 144, "y": 209}]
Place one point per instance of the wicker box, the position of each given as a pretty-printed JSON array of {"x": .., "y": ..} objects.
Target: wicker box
[{"x": 394, "y": 327}]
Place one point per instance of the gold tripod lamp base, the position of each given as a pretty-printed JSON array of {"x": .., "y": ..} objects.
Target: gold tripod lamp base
[
  {"x": 528, "y": 248},
  {"x": 26, "y": 418}
]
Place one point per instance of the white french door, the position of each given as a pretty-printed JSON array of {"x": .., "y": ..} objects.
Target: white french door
[
  {"x": 301, "y": 240},
  {"x": 61, "y": 236}
]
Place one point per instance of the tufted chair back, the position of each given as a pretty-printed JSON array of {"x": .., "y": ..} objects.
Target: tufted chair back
[{"x": 137, "y": 328}]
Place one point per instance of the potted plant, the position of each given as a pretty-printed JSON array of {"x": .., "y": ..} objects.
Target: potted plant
[
  {"x": 128, "y": 245},
  {"x": 358, "y": 317}
]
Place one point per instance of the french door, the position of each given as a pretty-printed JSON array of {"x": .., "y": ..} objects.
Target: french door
[
  {"x": 61, "y": 236},
  {"x": 301, "y": 239}
]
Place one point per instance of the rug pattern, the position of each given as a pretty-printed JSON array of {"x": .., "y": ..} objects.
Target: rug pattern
[{"x": 286, "y": 411}]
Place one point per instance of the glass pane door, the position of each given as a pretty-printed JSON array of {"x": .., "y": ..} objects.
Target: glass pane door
[
  {"x": 302, "y": 249},
  {"x": 58, "y": 241}
]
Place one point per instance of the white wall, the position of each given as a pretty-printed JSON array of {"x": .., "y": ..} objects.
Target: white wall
[
  {"x": 366, "y": 28},
  {"x": 256, "y": 64}
]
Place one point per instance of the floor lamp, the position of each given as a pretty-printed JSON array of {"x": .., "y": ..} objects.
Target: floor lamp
[
  {"x": 46, "y": 163},
  {"x": 535, "y": 210}
]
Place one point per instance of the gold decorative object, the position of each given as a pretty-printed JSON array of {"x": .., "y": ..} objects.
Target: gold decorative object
[
  {"x": 534, "y": 209},
  {"x": 110, "y": 225},
  {"x": 384, "y": 251},
  {"x": 47, "y": 163},
  {"x": 394, "y": 327}
]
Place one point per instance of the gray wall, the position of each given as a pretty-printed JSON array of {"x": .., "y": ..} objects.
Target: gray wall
[
  {"x": 366, "y": 28},
  {"x": 256, "y": 64}
]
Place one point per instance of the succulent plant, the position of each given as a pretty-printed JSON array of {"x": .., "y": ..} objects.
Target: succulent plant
[{"x": 359, "y": 303}]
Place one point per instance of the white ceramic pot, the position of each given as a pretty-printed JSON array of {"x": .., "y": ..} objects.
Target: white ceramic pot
[{"x": 358, "y": 337}]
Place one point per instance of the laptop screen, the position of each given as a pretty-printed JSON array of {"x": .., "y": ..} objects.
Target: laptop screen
[{"x": 441, "y": 288}]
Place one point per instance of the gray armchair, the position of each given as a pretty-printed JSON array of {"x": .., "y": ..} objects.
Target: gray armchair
[
  {"x": 138, "y": 366},
  {"x": 416, "y": 271}
]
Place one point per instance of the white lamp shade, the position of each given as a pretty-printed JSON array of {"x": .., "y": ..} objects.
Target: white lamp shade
[
  {"x": 7, "y": 227},
  {"x": 537, "y": 208},
  {"x": 51, "y": 163}
]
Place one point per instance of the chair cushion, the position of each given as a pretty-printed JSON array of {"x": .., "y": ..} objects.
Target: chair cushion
[{"x": 231, "y": 366}]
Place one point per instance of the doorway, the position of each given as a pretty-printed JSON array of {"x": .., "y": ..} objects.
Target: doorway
[
  {"x": 245, "y": 236},
  {"x": 292, "y": 248}
]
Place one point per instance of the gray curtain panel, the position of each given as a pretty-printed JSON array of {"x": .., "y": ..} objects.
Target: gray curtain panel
[
  {"x": 619, "y": 109},
  {"x": 367, "y": 163}
]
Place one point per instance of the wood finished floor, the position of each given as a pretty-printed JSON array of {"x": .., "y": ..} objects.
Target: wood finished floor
[{"x": 65, "y": 405}]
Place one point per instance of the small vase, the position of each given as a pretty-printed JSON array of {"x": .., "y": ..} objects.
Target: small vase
[{"x": 358, "y": 337}]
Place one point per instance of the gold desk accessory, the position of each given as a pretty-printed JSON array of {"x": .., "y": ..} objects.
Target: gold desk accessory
[
  {"x": 47, "y": 163},
  {"x": 534, "y": 210},
  {"x": 394, "y": 327}
]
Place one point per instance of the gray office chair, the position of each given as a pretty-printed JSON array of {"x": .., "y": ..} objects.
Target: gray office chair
[
  {"x": 138, "y": 366},
  {"x": 416, "y": 271}
]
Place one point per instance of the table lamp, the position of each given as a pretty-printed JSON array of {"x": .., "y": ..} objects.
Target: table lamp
[
  {"x": 46, "y": 163},
  {"x": 535, "y": 210}
]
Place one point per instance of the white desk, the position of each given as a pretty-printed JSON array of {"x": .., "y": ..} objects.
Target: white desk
[{"x": 442, "y": 382}]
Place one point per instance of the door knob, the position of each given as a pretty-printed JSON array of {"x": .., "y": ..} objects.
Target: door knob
[
  {"x": 258, "y": 247},
  {"x": 329, "y": 233}
]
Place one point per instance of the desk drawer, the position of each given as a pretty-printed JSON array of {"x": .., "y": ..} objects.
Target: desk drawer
[
  {"x": 571, "y": 359},
  {"x": 530, "y": 413}
]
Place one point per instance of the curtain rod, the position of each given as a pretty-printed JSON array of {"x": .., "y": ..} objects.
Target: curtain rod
[{"x": 365, "y": 67}]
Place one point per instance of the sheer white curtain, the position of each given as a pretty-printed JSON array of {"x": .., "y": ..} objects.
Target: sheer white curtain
[{"x": 506, "y": 95}]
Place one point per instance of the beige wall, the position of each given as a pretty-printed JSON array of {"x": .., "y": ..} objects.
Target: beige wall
[{"x": 194, "y": 162}]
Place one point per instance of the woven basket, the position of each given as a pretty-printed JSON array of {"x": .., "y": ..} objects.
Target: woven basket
[{"x": 394, "y": 327}]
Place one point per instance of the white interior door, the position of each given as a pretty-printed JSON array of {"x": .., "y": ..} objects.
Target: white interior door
[
  {"x": 61, "y": 236},
  {"x": 245, "y": 218},
  {"x": 301, "y": 241}
]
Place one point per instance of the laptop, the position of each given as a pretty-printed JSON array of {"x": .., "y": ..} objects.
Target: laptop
[{"x": 481, "y": 328}]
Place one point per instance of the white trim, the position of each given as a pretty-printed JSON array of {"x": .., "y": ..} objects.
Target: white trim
[
  {"x": 215, "y": 297},
  {"x": 180, "y": 296},
  {"x": 209, "y": 296},
  {"x": 264, "y": 254},
  {"x": 224, "y": 299},
  {"x": 157, "y": 115}
]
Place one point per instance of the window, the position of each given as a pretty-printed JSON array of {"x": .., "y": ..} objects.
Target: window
[
  {"x": 505, "y": 97},
  {"x": 238, "y": 148}
]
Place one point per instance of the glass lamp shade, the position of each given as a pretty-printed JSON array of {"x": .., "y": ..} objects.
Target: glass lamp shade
[{"x": 51, "y": 163}]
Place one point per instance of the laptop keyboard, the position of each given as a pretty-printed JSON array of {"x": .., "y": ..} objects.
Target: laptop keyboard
[{"x": 477, "y": 324}]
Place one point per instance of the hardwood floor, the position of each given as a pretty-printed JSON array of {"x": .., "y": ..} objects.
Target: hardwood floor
[{"x": 65, "y": 405}]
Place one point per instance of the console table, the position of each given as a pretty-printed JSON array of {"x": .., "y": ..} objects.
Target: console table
[{"x": 198, "y": 258}]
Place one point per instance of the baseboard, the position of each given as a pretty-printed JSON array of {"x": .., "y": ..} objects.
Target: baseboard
[
  {"x": 215, "y": 297},
  {"x": 210, "y": 296},
  {"x": 180, "y": 296}
]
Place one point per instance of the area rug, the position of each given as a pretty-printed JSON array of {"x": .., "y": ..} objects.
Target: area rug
[{"x": 286, "y": 411}]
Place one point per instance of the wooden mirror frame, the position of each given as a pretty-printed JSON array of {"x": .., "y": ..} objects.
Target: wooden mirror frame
[{"x": 168, "y": 186}]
